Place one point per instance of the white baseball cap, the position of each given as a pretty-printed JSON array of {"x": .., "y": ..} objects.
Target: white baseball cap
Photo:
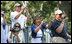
[
  {"x": 58, "y": 12},
  {"x": 17, "y": 4}
]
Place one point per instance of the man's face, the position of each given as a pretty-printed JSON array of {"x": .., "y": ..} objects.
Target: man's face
[
  {"x": 58, "y": 17},
  {"x": 17, "y": 8}
]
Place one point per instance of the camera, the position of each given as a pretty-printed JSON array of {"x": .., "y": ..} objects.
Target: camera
[
  {"x": 62, "y": 16},
  {"x": 16, "y": 27},
  {"x": 15, "y": 30}
]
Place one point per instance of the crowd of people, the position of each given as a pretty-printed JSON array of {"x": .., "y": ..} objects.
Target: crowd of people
[{"x": 16, "y": 34}]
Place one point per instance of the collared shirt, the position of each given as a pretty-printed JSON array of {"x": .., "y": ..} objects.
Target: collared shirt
[
  {"x": 54, "y": 26},
  {"x": 21, "y": 20},
  {"x": 14, "y": 38}
]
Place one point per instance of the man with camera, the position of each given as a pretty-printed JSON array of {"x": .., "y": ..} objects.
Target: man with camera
[
  {"x": 17, "y": 15},
  {"x": 16, "y": 35},
  {"x": 58, "y": 27}
]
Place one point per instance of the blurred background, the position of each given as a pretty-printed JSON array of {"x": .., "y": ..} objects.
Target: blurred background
[{"x": 45, "y": 9}]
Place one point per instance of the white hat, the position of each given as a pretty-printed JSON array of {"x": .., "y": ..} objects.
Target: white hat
[
  {"x": 17, "y": 4},
  {"x": 58, "y": 12}
]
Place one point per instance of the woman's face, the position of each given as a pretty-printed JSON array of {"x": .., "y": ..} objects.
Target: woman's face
[
  {"x": 17, "y": 26},
  {"x": 37, "y": 22}
]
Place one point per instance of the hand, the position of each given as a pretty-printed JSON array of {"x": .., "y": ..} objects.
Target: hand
[
  {"x": 2, "y": 12},
  {"x": 26, "y": 9},
  {"x": 43, "y": 22},
  {"x": 16, "y": 33},
  {"x": 22, "y": 7},
  {"x": 51, "y": 21},
  {"x": 63, "y": 16},
  {"x": 63, "y": 20}
]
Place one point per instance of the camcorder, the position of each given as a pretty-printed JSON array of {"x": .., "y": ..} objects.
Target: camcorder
[
  {"x": 45, "y": 21},
  {"x": 15, "y": 29},
  {"x": 62, "y": 16}
]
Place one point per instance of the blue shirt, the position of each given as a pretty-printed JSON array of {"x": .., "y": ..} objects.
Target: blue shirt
[
  {"x": 54, "y": 26},
  {"x": 33, "y": 27}
]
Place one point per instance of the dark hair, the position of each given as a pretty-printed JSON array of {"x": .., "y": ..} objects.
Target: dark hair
[
  {"x": 36, "y": 17},
  {"x": 15, "y": 25}
]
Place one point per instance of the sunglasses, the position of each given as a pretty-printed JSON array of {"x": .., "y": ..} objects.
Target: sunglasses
[{"x": 17, "y": 25}]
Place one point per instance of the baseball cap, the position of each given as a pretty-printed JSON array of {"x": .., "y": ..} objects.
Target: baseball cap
[
  {"x": 17, "y": 4},
  {"x": 58, "y": 12}
]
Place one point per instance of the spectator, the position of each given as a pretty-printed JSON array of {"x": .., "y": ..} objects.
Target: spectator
[
  {"x": 17, "y": 15},
  {"x": 16, "y": 35},
  {"x": 37, "y": 30},
  {"x": 58, "y": 27},
  {"x": 3, "y": 22}
]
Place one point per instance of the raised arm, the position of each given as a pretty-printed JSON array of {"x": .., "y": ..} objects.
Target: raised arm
[
  {"x": 37, "y": 29},
  {"x": 27, "y": 14},
  {"x": 19, "y": 13}
]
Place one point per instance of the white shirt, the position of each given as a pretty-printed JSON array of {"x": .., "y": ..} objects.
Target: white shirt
[
  {"x": 39, "y": 33},
  {"x": 1, "y": 20},
  {"x": 21, "y": 20},
  {"x": 37, "y": 40},
  {"x": 14, "y": 38}
]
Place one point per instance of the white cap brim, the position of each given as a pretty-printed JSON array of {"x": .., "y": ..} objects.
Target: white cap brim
[{"x": 58, "y": 12}]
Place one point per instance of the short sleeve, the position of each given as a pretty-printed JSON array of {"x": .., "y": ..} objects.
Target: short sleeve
[
  {"x": 54, "y": 26},
  {"x": 33, "y": 28},
  {"x": 12, "y": 16}
]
